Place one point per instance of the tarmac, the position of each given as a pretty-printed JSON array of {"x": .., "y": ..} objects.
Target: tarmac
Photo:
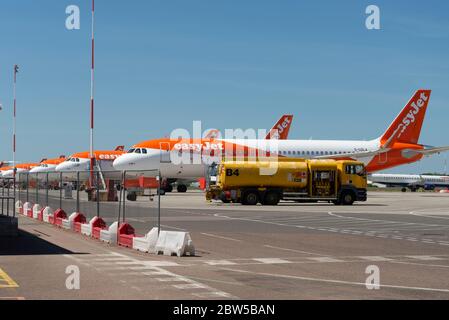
[{"x": 291, "y": 251}]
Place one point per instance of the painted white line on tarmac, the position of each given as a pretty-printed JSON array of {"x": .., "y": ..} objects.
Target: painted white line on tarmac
[
  {"x": 293, "y": 250},
  {"x": 422, "y": 264},
  {"x": 220, "y": 237},
  {"x": 220, "y": 263},
  {"x": 425, "y": 258},
  {"x": 325, "y": 259},
  {"x": 337, "y": 281},
  {"x": 423, "y": 214},
  {"x": 271, "y": 260},
  {"x": 384, "y": 221},
  {"x": 375, "y": 258}
]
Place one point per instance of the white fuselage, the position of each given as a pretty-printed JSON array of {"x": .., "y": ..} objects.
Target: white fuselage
[
  {"x": 73, "y": 167},
  {"x": 409, "y": 179},
  {"x": 185, "y": 161},
  {"x": 20, "y": 174}
]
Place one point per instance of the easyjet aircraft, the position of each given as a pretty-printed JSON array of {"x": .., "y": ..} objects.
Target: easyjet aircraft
[
  {"x": 397, "y": 146},
  {"x": 46, "y": 165},
  {"x": 80, "y": 162},
  {"x": 21, "y": 169},
  {"x": 279, "y": 131}
]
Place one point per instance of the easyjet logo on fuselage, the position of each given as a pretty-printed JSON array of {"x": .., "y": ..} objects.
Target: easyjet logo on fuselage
[
  {"x": 108, "y": 156},
  {"x": 198, "y": 146},
  {"x": 410, "y": 116}
]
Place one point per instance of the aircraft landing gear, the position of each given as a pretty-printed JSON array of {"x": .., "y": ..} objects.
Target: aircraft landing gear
[{"x": 182, "y": 188}]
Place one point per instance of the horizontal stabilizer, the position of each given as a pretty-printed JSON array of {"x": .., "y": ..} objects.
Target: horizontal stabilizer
[{"x": 428, "y": 151}]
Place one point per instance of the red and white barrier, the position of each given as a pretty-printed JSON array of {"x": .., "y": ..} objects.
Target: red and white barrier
[
  {"x": 86, "y": 228},
  {"x": 28, "y": 209},
  {"x": 78, "y": 220},
  {"x": 126, "y": 234},
  {"x": 58, "y": 216},
  {"x": 36, "y": 210},
  {"x": 146, "y": 243},
  {"x": 109, "y": 235},
  {"x": 175, "y": 243},
  {"x": 47, "y": 212},
  {"x": 97, "y": 226},
  {"x": 19, "y": 207}
]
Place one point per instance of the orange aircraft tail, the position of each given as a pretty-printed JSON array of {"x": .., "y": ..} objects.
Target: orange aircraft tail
[
  {"x": 406, "y": 128},
  {"x": 281, "y": 128}
]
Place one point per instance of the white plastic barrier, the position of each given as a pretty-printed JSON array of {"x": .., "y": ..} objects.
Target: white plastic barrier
[
  {"x": 110, "y": 235},
  {"x": 175, "y": 242},
  {"x": 19, "y": 207},
  {"x": 36, "y": 210},
  {"x": 68, "y": 223},
  {"x": 26, "y": 207},
  {"x": 86, "y": 228},
  {"x": 147, "y": 243},
  {"x": 46, "y": 214}
]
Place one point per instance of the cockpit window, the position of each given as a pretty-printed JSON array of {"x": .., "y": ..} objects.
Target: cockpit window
[
  {"x": 144, "y": 151},
  {"x": 131, "y": 150},
  {"x": 137, "y": 150}
]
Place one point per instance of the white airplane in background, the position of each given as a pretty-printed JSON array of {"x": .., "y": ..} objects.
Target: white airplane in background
[
  {"x": 397, "y": 146},
  {"x": 46, "y": 166},
  {"x": 411, "y": 181}
]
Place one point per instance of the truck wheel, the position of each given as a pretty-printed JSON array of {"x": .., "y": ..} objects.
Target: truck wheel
[
  {"x": 168, "y": 188},
  {"x": 250, "y": 198},
  {"x": 404, "y": 189},
  {"x": 271, "y": 199},
  {"x": 347, "y": 198},
  {"x": 182, "y": 188},
  {"x": 131, "y": 196}
]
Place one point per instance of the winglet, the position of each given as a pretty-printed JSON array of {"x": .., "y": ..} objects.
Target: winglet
[{"x": 120, "y": 148}]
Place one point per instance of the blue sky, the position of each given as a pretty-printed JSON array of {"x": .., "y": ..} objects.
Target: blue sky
[{"x": 232, "y": 64}]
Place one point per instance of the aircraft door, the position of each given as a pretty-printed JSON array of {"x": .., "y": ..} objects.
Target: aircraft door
[{"x": 165, "y": 152}]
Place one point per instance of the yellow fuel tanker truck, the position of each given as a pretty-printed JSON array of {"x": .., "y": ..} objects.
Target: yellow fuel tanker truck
[{"x": 269, "y": 181}]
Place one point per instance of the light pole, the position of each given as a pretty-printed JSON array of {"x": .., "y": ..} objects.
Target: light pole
[
  {"x": 91, "y": 150},
  {"x": 16, "y": 70}
]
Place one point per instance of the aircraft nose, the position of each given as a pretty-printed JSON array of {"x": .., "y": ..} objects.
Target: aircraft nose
[
  {"x": 61, "y": 167},
  {"x": 121, "y": 163}
]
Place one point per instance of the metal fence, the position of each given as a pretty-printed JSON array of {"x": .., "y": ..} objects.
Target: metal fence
[
  {"x": 131, "y": 196},
  {"x": 7, "y": 197}
]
